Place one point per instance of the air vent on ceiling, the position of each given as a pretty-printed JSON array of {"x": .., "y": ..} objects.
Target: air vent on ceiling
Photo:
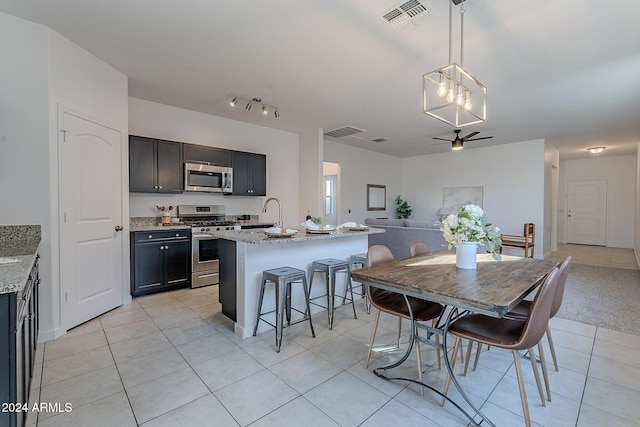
[
  {"x": 407, "y": 14},
  {"x": 343, "y": 131},
  {"x": 381, "y": 139}
]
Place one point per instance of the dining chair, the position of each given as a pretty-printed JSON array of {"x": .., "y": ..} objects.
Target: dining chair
[
  {"x": 527, "y": 241},
  {"x": 418, "y": 247},
  {"x": 513, "y": 335},
  {"x": 395, "y": 304},
  {"x": 521, "y": 312}
]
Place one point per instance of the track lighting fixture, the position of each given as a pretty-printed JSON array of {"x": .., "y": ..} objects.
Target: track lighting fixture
[{"x": 250, "y": 101}]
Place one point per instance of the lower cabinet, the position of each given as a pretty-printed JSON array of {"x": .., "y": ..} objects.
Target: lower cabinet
[
  {"x": 18, "y": 341},
  {"x": 160, "y": 261}
]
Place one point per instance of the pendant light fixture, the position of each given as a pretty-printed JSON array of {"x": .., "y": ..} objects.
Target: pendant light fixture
[{"x": 451, "y": 94}]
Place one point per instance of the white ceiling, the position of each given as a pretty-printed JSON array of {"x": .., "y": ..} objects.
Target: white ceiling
[{"x": 567, "y": 71}]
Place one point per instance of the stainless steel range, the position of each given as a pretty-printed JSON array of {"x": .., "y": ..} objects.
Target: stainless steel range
[{"x": 204, "y": 246}]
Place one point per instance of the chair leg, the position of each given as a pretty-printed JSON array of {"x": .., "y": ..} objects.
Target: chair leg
[
  {"x": 545, "y": 375},
  {"x": 552, "y": 348},
  {"x": 353, "y": 303},
  {"x": 523, "y": 393},
  {"x": 419, "y": 357},
  {"x": 466, "y": 361},
  {"x": 433, "y": 323},
  {"x": 453, "y": 365},
  {"x": 534, "y": 366},
  {"x": 262, "y": 285},
  {"x": 475, "y": 362},
  {"x": 308, "y": 311},
  {"x": 373, "y": 336}
]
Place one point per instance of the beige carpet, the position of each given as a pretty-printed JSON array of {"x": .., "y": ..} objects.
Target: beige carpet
[{"x": 603, "y": 296}]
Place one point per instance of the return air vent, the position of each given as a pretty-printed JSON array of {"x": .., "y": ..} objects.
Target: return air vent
[
  {"x": 343, "y": 131},
  {"x": 407, "y": 14},
  {"x": 379, "y": 139}
]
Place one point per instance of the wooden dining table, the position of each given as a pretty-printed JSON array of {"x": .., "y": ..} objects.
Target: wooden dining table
[{"x": 493, "y": 288}]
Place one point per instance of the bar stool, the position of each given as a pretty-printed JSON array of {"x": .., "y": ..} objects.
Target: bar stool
[
  {"x": 283, "y": 277},
  {"x": 361, "y": 260},
  {"x": 331, "y": 266}
]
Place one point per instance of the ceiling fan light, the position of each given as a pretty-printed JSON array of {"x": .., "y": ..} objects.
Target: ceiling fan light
[
  {"x": 595, "y": 150},
  {"x": 456, "y": 145}
]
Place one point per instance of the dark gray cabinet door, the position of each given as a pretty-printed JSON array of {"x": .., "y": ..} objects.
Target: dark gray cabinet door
[
  {"x": 155, "y": 166},
  {"x": 170, "y": 169},
  {"x": 211, "y": 155},
  {"x": 249, "y": 174},
  {"x": 143, "y": 164},
  {"x": 177, "y": 260}
]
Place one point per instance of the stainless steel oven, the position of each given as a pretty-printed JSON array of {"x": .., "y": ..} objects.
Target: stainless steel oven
[
  {"x": 205, "y": 220},
  {"x": 204, "y": 259}
]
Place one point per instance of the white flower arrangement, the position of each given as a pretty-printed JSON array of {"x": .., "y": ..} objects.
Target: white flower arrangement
[{"x": 470, "y": 225}]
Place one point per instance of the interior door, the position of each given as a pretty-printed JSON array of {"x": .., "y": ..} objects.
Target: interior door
[
  {"x": 91, "y": 245},
  {"x": 587, "y": 212}
]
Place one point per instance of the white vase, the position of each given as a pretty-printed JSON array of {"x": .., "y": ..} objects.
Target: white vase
[{"x": 466, "y": 255}]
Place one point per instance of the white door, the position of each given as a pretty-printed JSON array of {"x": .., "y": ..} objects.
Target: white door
[
  {"x": 91, "y": 250},
  {"x": 331, "y": 200},
  {"x": 587, "y": 212}
]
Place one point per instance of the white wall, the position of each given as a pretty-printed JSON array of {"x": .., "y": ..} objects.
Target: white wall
[
  {"x": 177, "y": 124},
  {"x": 551, "y": 186},
  {"x": 25, "y": 171},
  {"x": 46, "y": 70},
  {"x": 512, "y": 177},
  {"x": 636, "y": 243},
  {"x": 620, "y": 174},
  {"x": 357, "y": 169}
]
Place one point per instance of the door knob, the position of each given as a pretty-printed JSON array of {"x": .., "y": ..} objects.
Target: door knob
[{"x": 118, "y": 228}]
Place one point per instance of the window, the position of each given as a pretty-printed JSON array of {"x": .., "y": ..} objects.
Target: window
[{"x": 329, "y": 196}]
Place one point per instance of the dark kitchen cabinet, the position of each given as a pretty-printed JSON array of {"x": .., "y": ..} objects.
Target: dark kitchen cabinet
[
  {"x": 249, "y": 174},
  {"x": 155, "y": 165},
  {"x": 210, "y": 155},
  {"x": 18, "y": 341},
  {"x": 160, "y": 261}
]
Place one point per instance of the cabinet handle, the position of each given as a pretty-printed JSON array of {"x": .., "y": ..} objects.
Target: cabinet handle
[
  {"x": 155, "y": 186},
  {"x": 160, "y": 187},
  {"x": 162, "y": 248}
]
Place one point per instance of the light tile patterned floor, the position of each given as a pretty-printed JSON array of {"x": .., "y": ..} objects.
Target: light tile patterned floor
[
  {"x": 597, "y": 255},
  {"x": 171, "y": 359}
]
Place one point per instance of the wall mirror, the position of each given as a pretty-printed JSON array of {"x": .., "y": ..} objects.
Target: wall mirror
[{"x": 376, "y": 197}]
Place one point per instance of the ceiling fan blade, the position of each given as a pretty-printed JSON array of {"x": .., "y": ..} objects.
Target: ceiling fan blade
[
  {"x": 478, "y": 139},
  {"x": 441, "y": 139},
  {"x": 464, "y": 138}
]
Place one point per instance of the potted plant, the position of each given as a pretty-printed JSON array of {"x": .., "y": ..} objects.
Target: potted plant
[
  {"x": 403, "y": 209},
  {"x": 468, "y": 228}
]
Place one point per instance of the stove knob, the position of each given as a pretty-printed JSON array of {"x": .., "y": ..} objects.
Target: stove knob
[
  {"x": 207, "y": 229},
  {"x": 202, "y": 229},
  {"x": 228, "y": 228},
  {"x": 217, "y": 228}
]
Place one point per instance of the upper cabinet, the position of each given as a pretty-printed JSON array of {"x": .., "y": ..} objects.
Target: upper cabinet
[
  {"x": 249, "y": 174},
  {"x": 155, "y": 166},
  {"x": 211, "y": 155}
]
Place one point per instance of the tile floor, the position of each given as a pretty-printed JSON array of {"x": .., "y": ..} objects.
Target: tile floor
[
  {"x": 597, "y": 255},
  {"x": 171, "y": 359}
]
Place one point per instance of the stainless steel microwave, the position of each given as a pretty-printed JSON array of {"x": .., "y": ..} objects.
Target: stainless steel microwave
[{"x": 208, "y": 178}]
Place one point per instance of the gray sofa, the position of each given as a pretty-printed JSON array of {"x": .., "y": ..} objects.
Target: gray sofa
[{"x": 400, "y": 232}]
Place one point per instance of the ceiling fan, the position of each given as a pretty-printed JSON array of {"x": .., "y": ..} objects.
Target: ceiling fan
[{"x": 457, "y": 143}]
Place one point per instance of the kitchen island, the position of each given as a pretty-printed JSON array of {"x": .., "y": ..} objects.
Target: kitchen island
[{"x": 245, "y": 254}]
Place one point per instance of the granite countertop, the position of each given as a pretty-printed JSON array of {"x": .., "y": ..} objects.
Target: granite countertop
[
  {"x": 153, "y": 224},
  {"x": 259, "y": 238},
  {"x": 19, "y": 243}
]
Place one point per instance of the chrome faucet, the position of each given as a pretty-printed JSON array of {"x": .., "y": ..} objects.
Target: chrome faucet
[{"x": 264, "y": 209}]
